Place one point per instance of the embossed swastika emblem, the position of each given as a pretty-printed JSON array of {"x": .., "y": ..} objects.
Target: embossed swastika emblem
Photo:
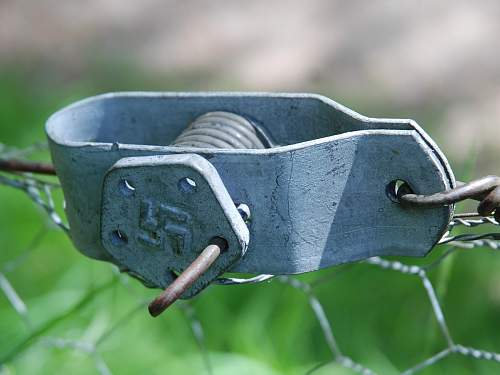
[
  {"x": 163, "y": 226},
  {"x": 159, "y": 212}
]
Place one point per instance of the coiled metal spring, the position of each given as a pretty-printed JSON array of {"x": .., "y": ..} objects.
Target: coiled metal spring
[{"x": 220, "y": 130}]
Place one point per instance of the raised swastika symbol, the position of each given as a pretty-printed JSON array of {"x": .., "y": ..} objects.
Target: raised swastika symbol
[{"x": 162, "y": 226}]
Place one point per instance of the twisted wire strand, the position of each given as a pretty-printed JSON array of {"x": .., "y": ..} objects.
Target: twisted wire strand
[{"x": 473, "y": 222}]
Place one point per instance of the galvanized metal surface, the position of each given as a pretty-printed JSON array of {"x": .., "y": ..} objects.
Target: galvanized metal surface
[
  {"x": 318, "y": 200},
  {"x": 159, "y": 212}
]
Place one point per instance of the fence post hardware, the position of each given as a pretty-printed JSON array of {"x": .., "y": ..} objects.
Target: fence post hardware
[{"x": 268, "y": 183}]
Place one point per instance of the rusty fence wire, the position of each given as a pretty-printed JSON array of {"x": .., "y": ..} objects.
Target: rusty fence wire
[{"x": 40, "y": 191}]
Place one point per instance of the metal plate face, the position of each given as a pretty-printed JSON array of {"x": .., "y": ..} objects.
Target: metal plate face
[{"x": 160, "y": 212}]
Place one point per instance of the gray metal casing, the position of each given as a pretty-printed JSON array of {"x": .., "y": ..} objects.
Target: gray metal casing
[{"x": 317, "y": 200}]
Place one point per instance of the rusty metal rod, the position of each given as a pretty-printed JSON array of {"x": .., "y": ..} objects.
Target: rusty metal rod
[
  {"x": 199, "y": 266},
  {"x": 477, "y": 189},
  {"x": 490, "y": 203},
  {"x": 14, "y": 165},
  {"x": 486, "y": 190}
]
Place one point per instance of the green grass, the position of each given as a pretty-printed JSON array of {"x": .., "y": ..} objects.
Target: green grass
[{"x": 380, "y": 318}]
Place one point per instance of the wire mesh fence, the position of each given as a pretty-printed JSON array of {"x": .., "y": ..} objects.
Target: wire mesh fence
[{"x": 41, "y": 192}]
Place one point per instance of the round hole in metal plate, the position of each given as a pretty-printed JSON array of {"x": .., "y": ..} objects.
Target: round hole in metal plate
[
  {"x": 187, "y": 185},
  {"x": 118, "y": 238},
  {"x": 126, "y": 187},
  {"x": 394, "y": 187}
]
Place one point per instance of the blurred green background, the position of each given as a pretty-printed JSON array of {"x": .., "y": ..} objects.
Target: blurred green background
[{"x": 432, "y": 63}]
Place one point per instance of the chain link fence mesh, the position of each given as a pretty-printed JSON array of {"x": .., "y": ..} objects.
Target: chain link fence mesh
[{"x": 41, "y": 192}]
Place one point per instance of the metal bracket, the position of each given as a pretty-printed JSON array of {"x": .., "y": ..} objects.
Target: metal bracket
[
  {"x": 317, "y": 199},
  {"x": 158, "y": 212}
]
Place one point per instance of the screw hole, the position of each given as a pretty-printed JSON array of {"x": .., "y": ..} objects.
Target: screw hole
[
  {"x": 118, "y": 238},
  {"x": 175, "y": 274},
  {"x": 187, "y": 185},
  {"x": 126, "y": 188},
  {"x": 395, "y": 188},
  {"x": 244, "y": 211},
  {"x": 221, "y": 242}
]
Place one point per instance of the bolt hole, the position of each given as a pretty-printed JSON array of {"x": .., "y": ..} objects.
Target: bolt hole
[
  {"x": 175, "y": 274},
  {"x": 187, "y": 185},
  {"x": 396, "y": 188},
  {"x": 244, "y": 211},
  {"x": 118, "y": 238},
  {"x": 221, "y": 242},
  {"x": 126, "y": 188}
]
